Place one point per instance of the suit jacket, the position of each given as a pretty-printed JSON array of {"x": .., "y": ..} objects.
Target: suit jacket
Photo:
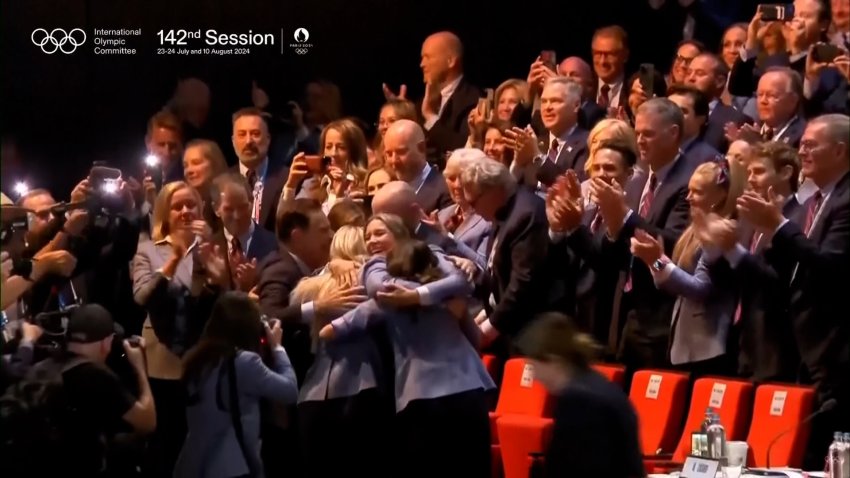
[
  {"x": 705, "y": 305},
  {"x": 793, "y": 133},
  {"x": 433, "y": 356},
  {"x": 434, "y": 194},
  {"x": 451, "y": 130},
  {"x": 745, "y": 75},
  {"x": 520, "y": 277},
  {"x": 590, "y": 114},
  {"x": 276, "y": 175},
  {"x": 714, "y": 134},
  {"x": 177, "y": 309},
  {"x": 767, "y": 349},
  {"x": 648, "y": 310},
  {"x": 593, "y": 422},
  {"x": 697, "y": 152},
  {"x": 278, "y": 275},
  {"x": 262, "y": 244},
  {"x": 473, "y": 232},
  {"x": 819, "y": 287},
  {"x": 211, "y": 448},
  {"x": 573, "y": 155}
]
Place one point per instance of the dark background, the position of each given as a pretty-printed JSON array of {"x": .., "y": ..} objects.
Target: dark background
[{"x": 61, "y": 112}]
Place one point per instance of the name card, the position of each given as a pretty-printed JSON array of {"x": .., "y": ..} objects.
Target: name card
[
  {"x": 653, "y": 387},
  {"x": 527, "y": 378},
  {"x": 696, "y": 467},
  {"x": 777, "y": 405},
  {"x": 717, "y": 393}
]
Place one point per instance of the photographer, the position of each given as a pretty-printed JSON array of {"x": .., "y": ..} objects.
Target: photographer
[{"x": 80, "y": 404}]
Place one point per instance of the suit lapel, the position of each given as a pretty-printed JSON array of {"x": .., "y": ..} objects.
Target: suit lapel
[
  {"x": 272, "y": 186},
  {"x": 567, "y": 157},
  {"x": 819, "y": 228},
  {"x": 665, "y": 190},
  {"x": 468, "y": 224},
  {"x": 634, "y": 189}
]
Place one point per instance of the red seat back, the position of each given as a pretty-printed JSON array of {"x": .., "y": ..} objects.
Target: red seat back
[
  {"x": 520, "y": 393},
  {"x": 659, "y": 400},
  {"x": 614, "y": 373},
  {"x": 779, "y": 408},
  {"x": 731, "y": 399}
]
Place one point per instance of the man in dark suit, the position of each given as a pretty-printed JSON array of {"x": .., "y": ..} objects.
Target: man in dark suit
[
  {"x": 819, "y": 279},
  {"x": 404, "y": 152},
  {"x": 655, "y": 201},
  {"x": 448, "y": 96},
  {"x": 518, "y": 282},
  {"x": 694, "y": 106},
  {"x": 251, "y": 140},
  {"x": 578, "y": 229},
  {"x": 245, "y": 242},
  {"x": 708, "y": 73},
  {"x": 565, "y": 140},
  {"x": 610, "y": 49},
  {"x": 780, "y": 93}
]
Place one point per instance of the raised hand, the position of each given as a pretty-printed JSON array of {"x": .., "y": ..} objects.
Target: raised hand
[
  {"x": 246, "y": 275},
  {"x": 524, "y": 144},
  {"x": 765, "y": 214},
  {"x": 389, "y": 95},
  {"x": 646, "y": 248}
]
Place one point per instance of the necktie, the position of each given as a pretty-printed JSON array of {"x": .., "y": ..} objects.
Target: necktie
[
  {"x": 235, "y": 248},
  {"x": 646, "y": 200},
  {"x": 602, "y": 99},
  {"x": 754, "y": 243},
  {"x": 812, "y": 211},
  {"x": 553, "y": 151},
  {"x": 767, "y": 134},
  {"x": 251, "y": 176}
]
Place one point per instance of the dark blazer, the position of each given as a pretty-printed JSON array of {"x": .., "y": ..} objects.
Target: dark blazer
[
  {"x": 819, "y": 286},
  {"x": 767, "y": 350},
  {"x": 697, "y": 152},
  {"x": 830, "y": 95},
  {"x": 649, "y": 310},
  {"x": 590, "y": 114},
  {"x": 745, "y": 75},
  {"x": 451, "y": 130},
  {"x": 262, "y": 244},
  {"x": 714, "y": 134},
  {"x": 573, "y": 156},
  {"x": 276, "y": 176},
  {"x": 794, "y": 133},
  {"x": 594, "y": 421},
  {"x": 434, "y": 194},
  {"x": 520, "y": 278},
  {"x": 278, "y": 275}
]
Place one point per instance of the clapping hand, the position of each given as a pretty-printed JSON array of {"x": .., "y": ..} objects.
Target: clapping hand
[
  {"x": 765, "y": 214},
  {"x": 524, "y": 144},
  {"x": 646, "y": 248},
  {"x": 713, "y": 230}
]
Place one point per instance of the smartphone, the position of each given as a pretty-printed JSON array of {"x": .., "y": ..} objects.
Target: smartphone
[
  {"x": 318, "y": 164},
  {"x": 483, "y": 108},
  {"x": 646, "y": 77},
  {"x": 99, "y": 175},
  {"x": 549, "y": 59},
  {"x": 776, "y": 12},
  {"x": 826, "y": 52}
]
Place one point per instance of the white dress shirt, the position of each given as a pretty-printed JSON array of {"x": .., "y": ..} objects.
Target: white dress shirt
[{"x": 445, "y": 94}]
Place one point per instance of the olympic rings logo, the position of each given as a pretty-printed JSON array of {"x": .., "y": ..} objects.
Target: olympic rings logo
[
  {"x": 58, "y": 40},
  {"x": 301, "y": 51}
]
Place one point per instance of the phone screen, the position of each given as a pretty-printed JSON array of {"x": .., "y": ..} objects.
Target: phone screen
[{"x": 548, "y": 57}]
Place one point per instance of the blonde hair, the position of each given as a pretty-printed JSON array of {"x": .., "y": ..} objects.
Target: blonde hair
[
  {"x": 349, "y": 244},
  {"x": 212, "y": 153},
  {"x": 521, "y": 87},
  {"x": 732, "y": 177},
  {"x": 162, "y": 206},
  {"x": 618, "y": 129}
]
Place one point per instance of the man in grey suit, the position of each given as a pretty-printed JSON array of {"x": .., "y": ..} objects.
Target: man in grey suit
[{"x": 405, "y": 153}]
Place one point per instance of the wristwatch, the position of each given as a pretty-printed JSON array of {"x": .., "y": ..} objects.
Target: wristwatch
[
  {"x": 659, "y": 265},
  {"x": 23, "y": 268}
]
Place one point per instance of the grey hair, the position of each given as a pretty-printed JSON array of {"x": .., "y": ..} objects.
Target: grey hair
[
  {"x": 669, "y": 112},
  {"x": 463, "y": 156},
  {"x": 573, "y": 88},
  {"x": 485, "y": 173},
  {"x": 837, "y": 126},
  {"x": 225, "y": 180}
]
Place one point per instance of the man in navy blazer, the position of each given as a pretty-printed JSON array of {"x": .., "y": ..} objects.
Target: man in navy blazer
[
  {"x": 708, "y": 73},
  {"x": 694, "y": 106},
  {"x": 819, "y": 280}
]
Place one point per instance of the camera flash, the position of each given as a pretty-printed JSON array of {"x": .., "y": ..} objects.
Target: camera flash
[
  {"x": 21, "y": 188},
  {"x": 110, "y": 187},
  {"x": 151, "y": 160}
]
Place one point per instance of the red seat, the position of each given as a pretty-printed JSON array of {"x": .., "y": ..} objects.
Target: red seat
[
  {"x": 731, "y": 399},
  {"x": 659, "y": 400},
  {"x": 521, "y": 412},
  {"x": 491, "y": 363},
  {"x": 614, "y": 373},
  {"x": 778, "y": 408}
]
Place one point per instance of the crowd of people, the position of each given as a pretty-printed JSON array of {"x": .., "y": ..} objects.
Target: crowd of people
[{"x": 320, "y": 308}]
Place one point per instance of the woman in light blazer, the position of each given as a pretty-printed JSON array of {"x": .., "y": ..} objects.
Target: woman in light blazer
[
  {"x": 707, "y": 297},
  {"x": 175, "y": 279},
  {"x": 227, "y": 374},
  {"x": 442, "y": 423}
]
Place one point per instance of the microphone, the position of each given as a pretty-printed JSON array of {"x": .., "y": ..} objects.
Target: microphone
[{"x": 825, "y": 407}]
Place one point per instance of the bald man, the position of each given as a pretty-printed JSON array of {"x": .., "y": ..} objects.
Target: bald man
[
  {"x": 448, "y": 96},
  {"x": 397, "y": 197},
  {"x": 405, "y": 155}
]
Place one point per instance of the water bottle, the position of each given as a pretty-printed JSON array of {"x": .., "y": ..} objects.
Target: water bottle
[
  {"x": 844, "y": 458},
  {"x": 699, "y": 439},
  {"x": 717, "y": 440},
  {"x": 833, "y": 457}
]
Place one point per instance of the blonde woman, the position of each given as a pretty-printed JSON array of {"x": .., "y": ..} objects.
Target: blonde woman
[
  {"x": 343, "y": 404},
  {"x": 609, "y": 129},
  {"x": 705, "y": 287},
  {"x": 507, "y": 97},
  {"x": 344, "y": 143},
  {"x": 176, "y": 279},
  {"x": 203, "y": 161}
]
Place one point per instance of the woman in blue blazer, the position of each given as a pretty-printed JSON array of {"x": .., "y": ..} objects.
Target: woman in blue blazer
[
  {"x": 440, "y": 381},
  {"x": 226, "y": 376}
]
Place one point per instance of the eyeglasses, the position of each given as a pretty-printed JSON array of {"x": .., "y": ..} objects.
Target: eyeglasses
[{"x": 809, "y": 146}]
